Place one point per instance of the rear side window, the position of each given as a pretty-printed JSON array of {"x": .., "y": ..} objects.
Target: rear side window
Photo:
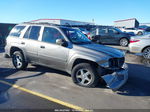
[
  {"x": 32, "y": 32},
  {"x": 16, "y": 32}
]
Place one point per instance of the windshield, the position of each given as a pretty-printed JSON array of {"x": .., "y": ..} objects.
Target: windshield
[{"x": 75, "y": 36}]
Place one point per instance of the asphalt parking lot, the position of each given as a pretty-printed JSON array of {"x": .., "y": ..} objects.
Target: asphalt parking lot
[{"x": 45, "y": 88}]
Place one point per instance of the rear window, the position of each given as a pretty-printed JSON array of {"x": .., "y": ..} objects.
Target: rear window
[
  {"x": 103, "y": 31},
  {"x": 16, "y": 32}
]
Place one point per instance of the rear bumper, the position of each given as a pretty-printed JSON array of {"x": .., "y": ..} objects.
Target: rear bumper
[{"x": 117, "y": 79}]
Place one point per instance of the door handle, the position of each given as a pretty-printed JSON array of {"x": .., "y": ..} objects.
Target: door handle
[
  {"x": 42, "y": 47},
  {"x": 23, "y": 43}
]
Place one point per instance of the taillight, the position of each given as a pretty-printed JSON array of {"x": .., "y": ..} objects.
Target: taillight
[
  {"x": 89, "y": 37},
  {"x": 133, "y": 41},
  {"x": 88, "y": 34}
]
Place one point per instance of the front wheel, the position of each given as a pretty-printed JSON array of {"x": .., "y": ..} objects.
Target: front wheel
[
  {"x": 19, "y": 61},
  {"x": 85, "y": 75},
  {"x": 124, "y": 42},
  {"x": 146, "y": 53}
]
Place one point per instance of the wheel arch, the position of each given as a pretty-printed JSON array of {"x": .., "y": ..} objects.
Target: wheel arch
[
  {"x": 145, "y": 48},
  {"x": 125, "y": 38},
  {"x": 80, "y": 60},
  {"x": 14, "y": 48}
]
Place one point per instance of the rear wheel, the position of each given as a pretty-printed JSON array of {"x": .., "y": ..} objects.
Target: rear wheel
[
  {"x": 124, "y": 42},
  {"x": 19, "y": 61},
  {"x": 139, "y": 33},
  {"x": 146, "y": 53},
  {"x": 85, "y": 75},
  {"x": 96, "y": 39}
]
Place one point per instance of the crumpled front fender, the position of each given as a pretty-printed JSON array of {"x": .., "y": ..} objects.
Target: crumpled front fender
[{"x": 117, "y": 79}]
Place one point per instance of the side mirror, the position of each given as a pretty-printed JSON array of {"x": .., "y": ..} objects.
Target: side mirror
[{"x": 61, "y": 42}]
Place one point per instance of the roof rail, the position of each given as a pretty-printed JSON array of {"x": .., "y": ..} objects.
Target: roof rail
[{"x": 41, "y": 23}]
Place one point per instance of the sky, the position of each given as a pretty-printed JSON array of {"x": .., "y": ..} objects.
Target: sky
[{"x": 104, "y": 12}]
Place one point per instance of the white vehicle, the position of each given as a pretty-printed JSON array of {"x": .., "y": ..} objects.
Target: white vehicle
[
  {"x": 136, "y": 31},
  {"x": 84, "y": 31},
  {"x": 140, "y": 44}
]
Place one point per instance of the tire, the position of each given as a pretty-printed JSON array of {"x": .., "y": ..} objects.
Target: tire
[
  {"x": 18, "y": 60},
  {"x": 6, "y": 56},
  {"x": 139, "y": 33},
  {"x": 85, "y": 75},
  {"x": 124, "y": 42},
  {"x": 95, "y": 39},
  {"x": 146, "y": 53}
]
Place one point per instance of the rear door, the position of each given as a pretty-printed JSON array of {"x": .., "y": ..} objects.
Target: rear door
[
  {"x": 31, "y": 43},
  {"x": 113, "y": 36},
  {"x": 103, "y": 32}
]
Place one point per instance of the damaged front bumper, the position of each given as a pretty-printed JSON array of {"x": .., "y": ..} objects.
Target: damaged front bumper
[{"x": 117, "y": 79}]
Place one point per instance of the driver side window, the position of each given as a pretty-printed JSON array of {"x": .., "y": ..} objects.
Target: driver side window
[{"x": 50, "y": 35}]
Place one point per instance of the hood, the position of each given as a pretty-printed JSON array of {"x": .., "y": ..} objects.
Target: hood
[{"x": 112, "y": 52}]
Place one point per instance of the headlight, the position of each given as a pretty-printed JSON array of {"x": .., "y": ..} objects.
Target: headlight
[
  {"x": 125, "y": 66},
  {"x": 105, "y": 65}
]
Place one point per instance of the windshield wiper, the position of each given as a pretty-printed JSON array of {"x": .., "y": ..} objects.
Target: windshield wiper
[{"x": 83, "y": 42}]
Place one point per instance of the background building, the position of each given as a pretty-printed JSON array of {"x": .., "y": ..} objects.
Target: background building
[
  {"x": 127, "y": 23},
  {"x": 62, "y": 22}
]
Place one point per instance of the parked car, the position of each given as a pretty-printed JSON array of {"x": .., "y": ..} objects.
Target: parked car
[
  {"x": 145, "y": 28},
  {"x": 136, "y": 31},
  {"x": 84, "y": 31},
  {"x": 69, "y": 50},
  {"x": 140, "y": 44},
  {"x": 110, "y": 35}
]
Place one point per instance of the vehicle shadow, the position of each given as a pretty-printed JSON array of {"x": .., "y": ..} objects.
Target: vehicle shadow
[
  {"x": 138, "y": 83},
  {"x": 5, "y": 72},
  {"x": 39, "y": 68}
]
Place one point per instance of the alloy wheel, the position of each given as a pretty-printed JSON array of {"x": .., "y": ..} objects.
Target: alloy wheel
[
  {"x": 17, "y": 61},
  {"x": 146, "y": 53},
  {"x": 123, "y": 42},
  {"x": 83, "y": 77}
]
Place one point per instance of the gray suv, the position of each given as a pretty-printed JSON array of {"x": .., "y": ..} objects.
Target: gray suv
[{"x": 68, "y": 50}]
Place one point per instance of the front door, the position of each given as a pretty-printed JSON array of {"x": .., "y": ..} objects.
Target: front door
[{"x": 51, "y": 54}]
